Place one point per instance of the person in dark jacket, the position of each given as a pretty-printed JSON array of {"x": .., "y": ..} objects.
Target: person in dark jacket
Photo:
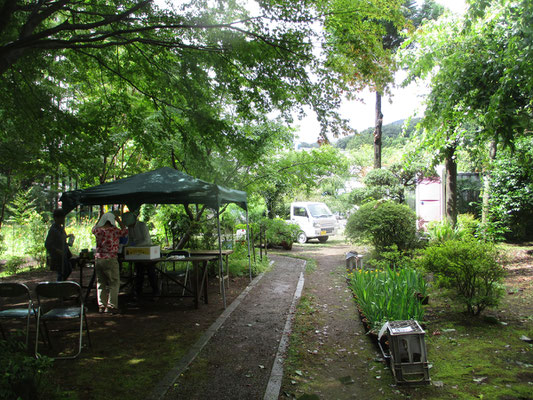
[
  {"x": 139, "y": 235},
  {"x": 59, "y": 255}
]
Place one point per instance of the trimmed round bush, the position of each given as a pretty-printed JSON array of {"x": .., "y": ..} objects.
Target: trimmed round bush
[{"x": 384, "y": 224}]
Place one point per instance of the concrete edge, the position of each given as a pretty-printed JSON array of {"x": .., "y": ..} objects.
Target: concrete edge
[
  {"x": 276, "y": 375},
  {"x": 172, "y": 376}
]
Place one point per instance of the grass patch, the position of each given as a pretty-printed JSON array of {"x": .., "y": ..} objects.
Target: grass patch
[
  {"x": 21, "y": 270},
  {"x": 306, "y": 320},
  {"x": 475, "y": 358},
  {"x": 123, "y": 365}
]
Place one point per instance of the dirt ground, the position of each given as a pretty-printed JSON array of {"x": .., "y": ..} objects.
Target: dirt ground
[
  {"x": 131, "y": 351},
  {"x": 330, "y": 356},
  {"x": 336, "y": 352},
  {"x": 237, "y": 361},
  {"x": 519, "y": 282}
]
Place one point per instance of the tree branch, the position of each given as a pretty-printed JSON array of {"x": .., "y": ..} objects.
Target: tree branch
[{"x": 6, "y": 12}]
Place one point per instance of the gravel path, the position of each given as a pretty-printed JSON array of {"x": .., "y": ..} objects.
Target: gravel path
[{"x": 237, "y": 361}]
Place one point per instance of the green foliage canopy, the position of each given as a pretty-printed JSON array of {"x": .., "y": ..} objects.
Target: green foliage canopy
[
  {"x": 511, "y": 200},
  {"x": 481, "y": 72}
]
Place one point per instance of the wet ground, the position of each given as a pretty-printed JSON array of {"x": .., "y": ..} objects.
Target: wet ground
[{"x": 237, "y": 361}]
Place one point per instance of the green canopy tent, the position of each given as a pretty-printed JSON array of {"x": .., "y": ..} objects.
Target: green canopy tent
[{"x": 161, "y": 186}]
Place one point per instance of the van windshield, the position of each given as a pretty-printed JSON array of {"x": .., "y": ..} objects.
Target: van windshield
[{"x": 319, "y": 210}]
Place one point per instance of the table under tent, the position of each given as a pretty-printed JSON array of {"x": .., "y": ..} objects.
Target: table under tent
[{"x": 162, "y": 186}]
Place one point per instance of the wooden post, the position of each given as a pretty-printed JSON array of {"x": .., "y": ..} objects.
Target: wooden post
[{"x": 253, "y": 243}]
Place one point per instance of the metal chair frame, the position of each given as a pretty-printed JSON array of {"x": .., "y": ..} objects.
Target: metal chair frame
[
  {"x": 66, "y": 290},
  {"x": 187, "y": 275},
  {"x": 12, "y": 290}
]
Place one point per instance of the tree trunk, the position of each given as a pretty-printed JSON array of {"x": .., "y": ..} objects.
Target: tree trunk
[
  {"x": 378, "y": 132},
  {"x": 270, "y": 207},
  {"x": 486, "y": 182},
  {"x": 451, "y": 184}
]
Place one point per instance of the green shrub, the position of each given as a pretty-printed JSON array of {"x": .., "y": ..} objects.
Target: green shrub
[
  {"x": 391, "y": 257},
  {"x": 238, "y": 261},
  {"x": 37, "y": 236},
  {"x": 468, "y": 224},
  {"x": 279, "y": 232},
  {"x": 470, "y": 269},
  {"x": 511, "y": 196},
  {"x": 467, "y": 227},
  {"x": 493, "y": 231},
  {"x": 21, "y": 375},
  {"x": 442, "y": 231},
  {"x": 383, "y": 223},
  {"x": 13, "y": 264}
]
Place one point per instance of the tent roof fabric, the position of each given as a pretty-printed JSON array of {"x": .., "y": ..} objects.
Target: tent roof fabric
[{"x": 161, "y": 186}]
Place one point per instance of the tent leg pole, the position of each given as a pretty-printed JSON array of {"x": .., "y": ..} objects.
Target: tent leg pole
[
  {"x": 248, "y": 241},
  {"x": 221, "y": 266}
]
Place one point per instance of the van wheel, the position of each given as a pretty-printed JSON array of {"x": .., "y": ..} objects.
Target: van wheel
[
  {"x": 323, "y": 239},
  {"x": 301, "y": 238}
]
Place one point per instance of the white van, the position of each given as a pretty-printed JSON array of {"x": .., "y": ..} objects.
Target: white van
[{"x": 314, "y": 219}]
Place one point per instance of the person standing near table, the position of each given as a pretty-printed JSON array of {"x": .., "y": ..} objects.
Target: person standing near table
[
  {"x": 106, "y": 261},
  {"x": 57, "y": 247},
  {"x": 138, "y": 235}
]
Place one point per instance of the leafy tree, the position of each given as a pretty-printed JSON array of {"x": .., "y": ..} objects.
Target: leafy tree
[
  {"x": 512, "y": 190},
  {"x": 349, "y": 60},
  {"x": 115, "y": 84},
  {"x": 390, "y": 183},
  {"x": 379, "y": 184},
  {"x": 294, "y": 172},
  {"x": 31, "y": 28},
  {"x": 357, "y": 58},
  {"x": 480, "y": 70}
]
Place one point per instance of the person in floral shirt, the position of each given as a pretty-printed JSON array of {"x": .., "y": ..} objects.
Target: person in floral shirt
[{"x": 106, "y": 261}]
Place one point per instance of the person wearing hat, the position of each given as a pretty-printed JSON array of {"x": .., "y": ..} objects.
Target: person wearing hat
[
  {"x": 138, "y": 235},
  {"x": 59, "y": 255},
  {"x": 106, "y": 261}
]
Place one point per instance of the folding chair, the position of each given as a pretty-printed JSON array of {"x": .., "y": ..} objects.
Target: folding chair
[
  {"x": 179, "y": 274},
  {"x": 62, "y": 291},
  {"x": 17, "y": 290}
]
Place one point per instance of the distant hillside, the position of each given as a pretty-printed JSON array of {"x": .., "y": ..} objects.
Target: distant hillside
[{"x": 392, "y": 135}]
